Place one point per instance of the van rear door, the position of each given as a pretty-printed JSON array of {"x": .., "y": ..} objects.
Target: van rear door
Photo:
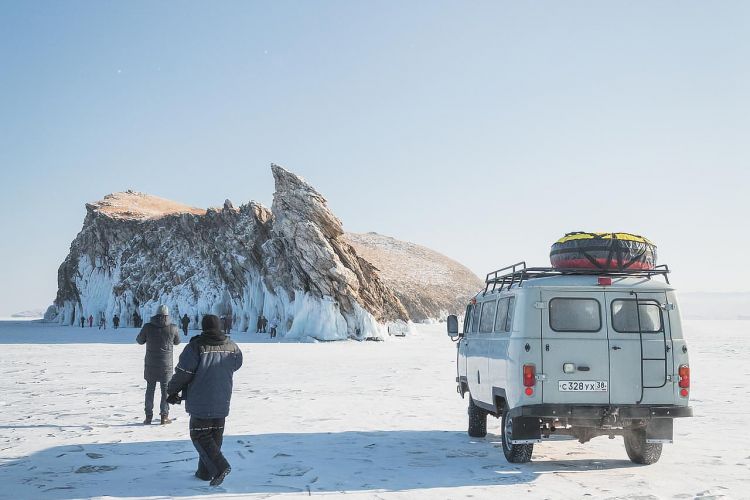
[
  {"x": 575, "y": 350},
  {"x": 634, "y": 364}
]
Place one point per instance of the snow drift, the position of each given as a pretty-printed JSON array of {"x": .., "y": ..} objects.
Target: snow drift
[{"x": 292, "y": 263}]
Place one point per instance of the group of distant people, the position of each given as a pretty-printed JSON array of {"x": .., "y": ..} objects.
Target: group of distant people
[
  {"x": 102, "y": 321},
  {"x": 262, "y": 324},
  {"x": 226, "y": 323}
]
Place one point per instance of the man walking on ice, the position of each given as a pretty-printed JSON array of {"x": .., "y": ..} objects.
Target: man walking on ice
[
  {"x": 159, "y": 335},
  {"x": 204, "y": 375}
]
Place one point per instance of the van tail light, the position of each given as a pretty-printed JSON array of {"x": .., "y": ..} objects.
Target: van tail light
[
  {"x": 684, "y": 376},
  {"x": 529, "y": 375},
  {"x": 684, "y": 373}
]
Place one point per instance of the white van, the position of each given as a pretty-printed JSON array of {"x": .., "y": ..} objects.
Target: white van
[{"x": 568, "y": 352}]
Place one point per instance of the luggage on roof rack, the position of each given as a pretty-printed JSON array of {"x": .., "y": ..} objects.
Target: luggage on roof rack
[{"x": 605, "y": 251}]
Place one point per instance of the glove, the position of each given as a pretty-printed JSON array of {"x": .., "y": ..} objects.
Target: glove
[{"x": 174, "y": 399}]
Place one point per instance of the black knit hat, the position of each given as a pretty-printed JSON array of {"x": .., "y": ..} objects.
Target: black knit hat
[{"x": 210, "y": 322}]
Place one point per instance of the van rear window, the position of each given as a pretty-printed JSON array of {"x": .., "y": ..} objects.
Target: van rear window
[
  {"x": 625, "y": 318},
  {"x": 575, "y": 315}
]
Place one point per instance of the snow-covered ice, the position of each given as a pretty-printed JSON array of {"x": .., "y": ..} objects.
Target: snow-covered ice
[{"x": 344, "y": 419}]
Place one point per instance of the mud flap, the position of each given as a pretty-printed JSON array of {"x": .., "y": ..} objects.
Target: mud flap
[
  {"x": 660, "y": 430},
  {"x": 526, "y": 430}
]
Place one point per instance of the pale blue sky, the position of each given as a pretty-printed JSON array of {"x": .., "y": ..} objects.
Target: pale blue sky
[{"x": 484, "y": 130}]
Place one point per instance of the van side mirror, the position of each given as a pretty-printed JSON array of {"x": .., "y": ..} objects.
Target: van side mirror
[{"x": 453, "y": 326}]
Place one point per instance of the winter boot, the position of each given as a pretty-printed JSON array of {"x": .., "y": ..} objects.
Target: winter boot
[
  {"x": 148, "y": 419},
  {"x": 203, "y": 476},
  {"x": 165, "y": 419},
  {"x": 216, "y": 481}
]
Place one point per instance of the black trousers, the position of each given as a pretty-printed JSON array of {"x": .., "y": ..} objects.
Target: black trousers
[{"x": 207, "y": 435}]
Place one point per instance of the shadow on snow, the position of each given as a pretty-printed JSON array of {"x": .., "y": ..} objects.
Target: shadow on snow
[{"x": 279, "y": 463}]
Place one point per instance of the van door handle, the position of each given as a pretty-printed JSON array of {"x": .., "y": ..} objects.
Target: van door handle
[{"x": 616, "y": 347}]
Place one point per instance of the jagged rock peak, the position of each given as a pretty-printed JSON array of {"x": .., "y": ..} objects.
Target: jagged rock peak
[
  {"x": 296, "y": 201},
  {"x": 132, "y": 205}
]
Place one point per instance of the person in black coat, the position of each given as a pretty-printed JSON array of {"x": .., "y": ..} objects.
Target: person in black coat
[
  {"x": 204, "y": 375},
  {"x": 159, "y": 335},
  {"x": 185, "y": 322}
]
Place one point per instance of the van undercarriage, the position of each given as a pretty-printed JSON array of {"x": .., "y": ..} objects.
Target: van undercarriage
[{"x": 584, "y": 422}]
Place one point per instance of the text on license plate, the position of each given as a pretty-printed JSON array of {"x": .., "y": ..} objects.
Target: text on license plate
[{"x": 583, "y": 386}]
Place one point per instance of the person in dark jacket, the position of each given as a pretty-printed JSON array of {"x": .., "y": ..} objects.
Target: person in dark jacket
[
  {"x": 185, "y": 322},
  {"x": 159, "y": 335},
  {"x": 228, "y": 324},
  {"x": 91, "y": 320},
  {"x": 83, "y": 321},
  {"x": 204, "y": 376},
  {"x": 116, "y": 321}
]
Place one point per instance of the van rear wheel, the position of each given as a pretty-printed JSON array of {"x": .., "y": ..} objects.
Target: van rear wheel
[
  {"x": 514, "y": 453},
  {"x": 639, "y": 451},
  {"x": 477, "y": 420}
]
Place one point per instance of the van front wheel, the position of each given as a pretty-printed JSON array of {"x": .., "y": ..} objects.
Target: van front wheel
[
  {"x": 639, "y": 451},
  {"x": 477, "y": 420},
  {"x": 514, "y": 453}
]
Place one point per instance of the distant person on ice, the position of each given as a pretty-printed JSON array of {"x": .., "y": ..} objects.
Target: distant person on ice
[
  {"x": 159, "y": 335},
  {"x": 83, "y": 321},
  {"x": 227, "y": 324},
  {"x": 116, "y": 321},
  {"x": 91, "y": 320},
  {"x": 204, "y": 375},
  {"x": 274, "y": 325},
  {"x": 264, "y": 324},
  {"x": 102, "y": 322},
  {"x": 185, "y": 322}
]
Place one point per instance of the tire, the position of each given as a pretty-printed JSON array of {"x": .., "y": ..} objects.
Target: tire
[
  {"x": 639, "y": 451},
  {"x": 477, "y": 420},
  {"x": 514, "y": 453}
]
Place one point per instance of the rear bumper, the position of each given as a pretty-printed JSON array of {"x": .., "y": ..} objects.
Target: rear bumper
[{"x": 601, "y": 411}]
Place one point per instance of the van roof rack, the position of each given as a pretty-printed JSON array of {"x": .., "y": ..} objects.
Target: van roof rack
[{"x": 515, "y": 274}]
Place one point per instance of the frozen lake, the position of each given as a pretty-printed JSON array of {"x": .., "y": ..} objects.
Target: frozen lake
[{"x": 344, "y": 419}]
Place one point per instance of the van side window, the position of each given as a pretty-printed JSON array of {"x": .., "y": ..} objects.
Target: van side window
[
  {"x": 467, "y": 319},
  {"x": 511, "y": 310},
  {"x": 625, "y": 316},
  {"x": 488, "y": 316},
  {"x": 475, "y": 319},
  {"x": 575, "y": 315},
  {"x": 504, "y": 319}
]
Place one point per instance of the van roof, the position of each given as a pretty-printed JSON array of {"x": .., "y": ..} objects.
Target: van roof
[
  {"x": 519, "y": 276},
  {"x": 584, "y": 282}
]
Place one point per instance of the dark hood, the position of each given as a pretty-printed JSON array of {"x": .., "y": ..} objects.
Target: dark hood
[{"x": 212, "y": 334}]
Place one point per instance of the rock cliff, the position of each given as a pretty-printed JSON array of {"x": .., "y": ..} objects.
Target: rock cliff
[{"x": 293, "y": 264}]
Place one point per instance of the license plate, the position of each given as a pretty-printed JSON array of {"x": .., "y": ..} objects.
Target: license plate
[{"x": 583, "y": 386}]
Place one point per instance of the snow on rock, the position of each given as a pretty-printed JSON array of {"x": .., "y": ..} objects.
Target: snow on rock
[
  {"x": 293, "y": 264},
  {"x": 429, "y": 284}
]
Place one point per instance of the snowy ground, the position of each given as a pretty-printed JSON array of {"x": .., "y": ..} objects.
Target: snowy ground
[{"x": 346, "y": 419}]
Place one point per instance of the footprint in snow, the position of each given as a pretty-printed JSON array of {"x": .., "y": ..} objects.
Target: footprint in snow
[
  {"x": 292, "y": 471},
  {"x": 88, "y": 469}
]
